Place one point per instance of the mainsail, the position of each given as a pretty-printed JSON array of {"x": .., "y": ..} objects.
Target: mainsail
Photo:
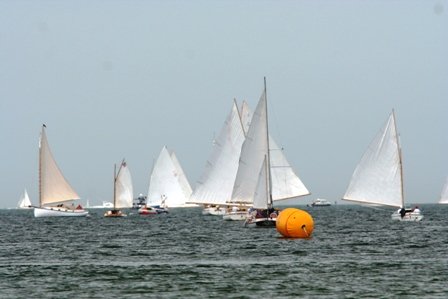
[
  {"x": 166, "y": 182},
  {"x": 378, "y": 177},
  {"x": 123, "y": 188},
  {"x": 182, "y": 178},
  {"x": 54, "y": 188},
  {"x": 444, "y": 194},
  {"x": 216, "y": 183},
  {"x": 261, "y": 195},
  {"x": 24, "y": 201}
]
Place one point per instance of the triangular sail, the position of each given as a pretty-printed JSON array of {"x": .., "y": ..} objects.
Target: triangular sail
[
  {"x": 24, "y": 201},
  {"x": 444, "y": 194},
  {"x": 378, "y": 179},
  {"x": 124, "y": 193},
  {"x": 164, "y": 183},
  {"x": 54, "y": 188},
  {"x": 246, "y": 116},
  {"x": 285, "y": 183},
  {"x": 216, "y": 183},
  {"x": 183, "y": 180},
  {"x": 253, "y": 151},
  {"x": 261, "y": 196}
]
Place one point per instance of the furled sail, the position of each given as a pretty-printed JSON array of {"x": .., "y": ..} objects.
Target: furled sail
[
  {"x": 378, "y": 177},
  {"x": 444, "y": 194},
  {"x": 54, "y": 188},
  {"x": 216, "y": 183},
  {"x": 124, "y": 193}
]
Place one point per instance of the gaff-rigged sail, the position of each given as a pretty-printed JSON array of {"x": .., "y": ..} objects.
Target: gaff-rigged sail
[{"x": 54, "y": 188}]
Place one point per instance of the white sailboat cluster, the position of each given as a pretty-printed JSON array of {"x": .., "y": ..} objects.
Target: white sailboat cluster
[
  {"x": 168, "y": 186},
  {"x": 55, "y": 193},
  {"x": 243, "y": 159},
  {"x": 378, "y": 178},
  {"x": 123, "y": 191}
]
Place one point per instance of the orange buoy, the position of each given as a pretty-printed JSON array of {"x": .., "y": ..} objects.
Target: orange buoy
[{"x": 294, "y": 223}]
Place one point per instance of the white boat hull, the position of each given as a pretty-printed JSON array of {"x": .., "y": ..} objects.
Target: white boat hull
[
  {"x": 58, "y": 212},
  {"x": 409, "y": 216},
  {"x": 235, "y": 216},
  {"x": 213, "y": 211}
]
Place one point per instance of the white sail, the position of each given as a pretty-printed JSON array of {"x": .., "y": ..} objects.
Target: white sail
[
  {"x": 164, "y": 183},
  {"x": 216, "y": 183},
  {"x": 246, "y": 116},
  {"x": 261, "y": 196},
  {"x": 444, "y": 194},
  {"x": 124, "y": 193},
  {"x": 285, "y": 183},
  {"x": 24, "y": 202},
  {"x": 378, "y": 179},
  {"x": 254, "y": 149},
  {"x": 54, "y": 188},
  {"x": 183, "y": 180}
]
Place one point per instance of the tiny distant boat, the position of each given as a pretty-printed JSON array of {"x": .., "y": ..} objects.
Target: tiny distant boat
[
  {"x": 55, "y": 193},
  {"x": 104, "y": 205},
  {"x": 123, "y": 191},
  {"x": 378, "y": 177},
  {"x": 444, "y": 194},
  {"x": 24, "y": 201},
  {"x": 139, "y": 202},
  {"x": 145, "y": 210},
  {"x": 320, "y": 202}
]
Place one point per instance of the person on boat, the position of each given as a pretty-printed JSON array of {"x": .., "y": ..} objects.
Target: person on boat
[
  {"x": 402, "y": 212},
  {"x": 416, "y": 210}
]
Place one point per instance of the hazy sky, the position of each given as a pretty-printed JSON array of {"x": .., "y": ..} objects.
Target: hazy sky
[{"x": 120, "y": 79}]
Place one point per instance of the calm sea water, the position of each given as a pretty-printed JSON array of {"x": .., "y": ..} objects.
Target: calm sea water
[{"x": 355, "y": 252}]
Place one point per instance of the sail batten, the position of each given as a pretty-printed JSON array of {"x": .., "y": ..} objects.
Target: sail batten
[
  {"x": 53, "y": 187},
  {"x": 377, "y": 178}
]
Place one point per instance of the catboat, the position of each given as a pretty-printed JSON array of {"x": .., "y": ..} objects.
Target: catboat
[
  {"x": 55, "y": 193},
  {"x": 123, "y": 191},
  {"x": 378, "y": 177}
]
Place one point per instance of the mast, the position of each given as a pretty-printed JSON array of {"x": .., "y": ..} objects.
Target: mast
[
  {"x": 268, "y": 161},
  {"x": 115, "y": 185},
  {"x": 40, "y": 164},
  {"x": 400, "y": 162}
]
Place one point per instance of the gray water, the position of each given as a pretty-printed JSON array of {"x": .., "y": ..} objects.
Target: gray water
[{"x": 354, "y": 252}]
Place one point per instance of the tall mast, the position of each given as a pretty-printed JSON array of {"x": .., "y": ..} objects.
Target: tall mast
[
  {"x": 40, "y": 164},
  {"x": 400, "y": 162},
  {"x": 268, "y": 162},
  {"x": 115, "y": 185}
]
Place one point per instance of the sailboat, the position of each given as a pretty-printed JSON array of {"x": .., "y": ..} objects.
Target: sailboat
[
  {"x": 24, "y": 201},
  {"x": 275, "y": 180},
  {"x": 54, "y": 190},
  {"x": 168, "y": 186},
  {"x": 444, "y": 194},
  {"x": 215, "y": 186},
  {"x": 378, "y": 178},
  {"x": 123, "y": 191}
]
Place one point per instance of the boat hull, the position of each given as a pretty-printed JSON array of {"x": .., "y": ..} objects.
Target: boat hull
[
  {"x": 235, "y": 216},
  {"x": 58, "y": 212},
  {"x": 409, "y": 216},
  {"x": 214, "y": 211},
  {"x": 114, "y": 213},
  {"x": 260, "y": 222}
]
